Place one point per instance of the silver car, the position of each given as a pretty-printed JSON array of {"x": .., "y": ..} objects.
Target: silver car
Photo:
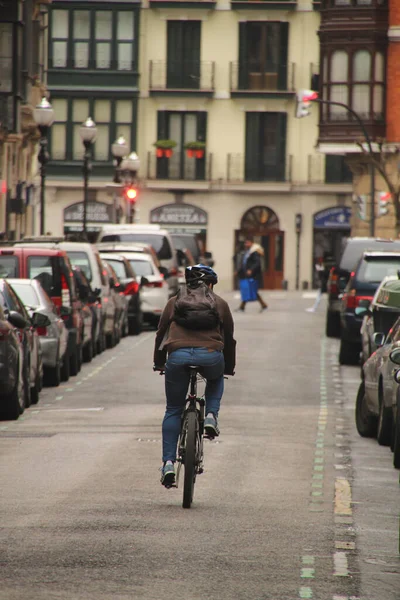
[{"x": 53, "y": 339}]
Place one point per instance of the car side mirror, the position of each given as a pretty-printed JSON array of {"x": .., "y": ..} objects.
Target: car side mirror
[
  {"x": 164, "y": 271},
  {"x": 144, "y": 281},
  {"x": 65, "y": 311},
  {"x": 395, "y": 357},
  {"x": 16, "y": 319},
  {"x": 379, "y": 339},
  {"x": 97, "y": 292},
  {"x": 111, "y": 281},
  {"x": 40, "y": 320},
  {"x": 361, "y": 311}
]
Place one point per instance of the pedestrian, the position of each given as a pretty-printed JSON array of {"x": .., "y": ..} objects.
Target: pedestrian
[
  {"x": 248, "y": 270},
  {"x": 322, "y": 268}
]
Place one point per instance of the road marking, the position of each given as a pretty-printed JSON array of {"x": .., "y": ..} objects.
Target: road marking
[
  {"x": 305, "y": 592},
  {"x": 100, "y": 408},
  {"x": 341, "y": 567}
]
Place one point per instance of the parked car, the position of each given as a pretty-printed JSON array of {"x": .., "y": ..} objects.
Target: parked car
[
  {"x": 120, "y": 304},
  {"x": 361, "y": 287},
  {"x": 53, "y": 337},
  {"x": 159, "y": 238},
  {"x": 130, "y": 288},
  {"x": 377, "y": 392},
  {"x": 32, "y": 366},
  {"x": 379, "y": 315},
  {"x": 339, "y": 274},
  {"x": 154, "y": 288},
  {"x": 86, "y": 256},
  {"x": 52, "y": 268},
  {"x": 395, "y": 441},
  {"x": 88, "y": 335}
]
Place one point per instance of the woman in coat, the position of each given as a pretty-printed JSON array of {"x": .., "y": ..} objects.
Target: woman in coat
[{"x": 249, "y": 272}]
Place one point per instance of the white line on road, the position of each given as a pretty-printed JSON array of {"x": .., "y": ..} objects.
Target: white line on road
[{"x": 71, "y": 409}]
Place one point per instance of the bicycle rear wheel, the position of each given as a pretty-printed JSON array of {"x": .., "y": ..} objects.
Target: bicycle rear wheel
[{"x": 189, "y": 459}]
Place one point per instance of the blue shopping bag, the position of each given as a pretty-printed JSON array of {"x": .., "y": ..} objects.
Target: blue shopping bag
[{"x": 248, "y": 290}]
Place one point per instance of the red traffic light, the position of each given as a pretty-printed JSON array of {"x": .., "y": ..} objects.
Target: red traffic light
[{"x": 131, "y": 194}]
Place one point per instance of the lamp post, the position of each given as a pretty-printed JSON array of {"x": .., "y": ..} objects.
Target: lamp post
[
  {"x": 44, "y": 117},
  {"x": 88, "y": 134},
  {"x": 130, "y": 167},
  {"x": 119, "y": 149}
]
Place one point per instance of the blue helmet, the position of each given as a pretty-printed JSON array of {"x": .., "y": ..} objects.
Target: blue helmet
[{"x": 199, "y": 273}]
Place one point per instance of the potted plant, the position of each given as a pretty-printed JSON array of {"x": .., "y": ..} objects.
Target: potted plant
[
  {"x": 195, "y": 149},
  {"x": 164, "y": 148}
]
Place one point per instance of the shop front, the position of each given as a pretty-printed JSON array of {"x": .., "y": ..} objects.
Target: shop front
[
  {"x": 182, "y": 218},
  {"x": 97, "y": 214},
  {"x": 331, "y": 227},
  {"x": 262, "y": 224}
]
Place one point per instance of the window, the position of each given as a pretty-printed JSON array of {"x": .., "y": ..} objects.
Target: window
[
  {"x": 9, "y": 266},
  {"x": 92, "y": 39},
  {"x": 142, "y": 267},
  {"x": 336, "y": 169},
  {"x": 354, "y": 78},
  {"x": 265, "y": 146},
  {"x": 6, "y": 57},
  {"x": 263, "y": 55},
  {"x": 113, "y": 118},
  {"x": 81, "y": 260},
  {"x": 183, "y": 54}
]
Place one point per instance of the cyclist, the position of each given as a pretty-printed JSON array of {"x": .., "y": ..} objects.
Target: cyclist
[{"x": 213, "y": 350}]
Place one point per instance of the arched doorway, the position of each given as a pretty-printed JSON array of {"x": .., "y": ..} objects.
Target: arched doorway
[{"x": 263, "y": 225}]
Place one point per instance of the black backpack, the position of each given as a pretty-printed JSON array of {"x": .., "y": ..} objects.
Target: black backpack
[{"x": 196, "y": 308}]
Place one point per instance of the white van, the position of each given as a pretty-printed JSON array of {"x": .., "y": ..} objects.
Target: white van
[{"x": 159, "y": 238}]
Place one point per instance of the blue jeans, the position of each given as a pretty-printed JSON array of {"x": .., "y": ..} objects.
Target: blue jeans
[{"x": 176, "y": 387}]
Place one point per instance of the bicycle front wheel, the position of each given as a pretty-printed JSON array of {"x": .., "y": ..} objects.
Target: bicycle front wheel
[{"x": 189, "y": 459}]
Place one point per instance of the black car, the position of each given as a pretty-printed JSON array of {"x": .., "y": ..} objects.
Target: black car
[
  {"x": 360, "y": 290},
  {"x": 339, "y": 274}
]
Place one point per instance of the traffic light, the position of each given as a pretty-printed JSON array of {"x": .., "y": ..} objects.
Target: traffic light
[
  {"x": 131, "y": 194},
  {"x": 303, "y": 102},
  {"x": 383, "y": 206}
]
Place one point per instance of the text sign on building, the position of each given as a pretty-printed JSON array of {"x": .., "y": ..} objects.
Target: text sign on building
[
  {"x": 178, "y": 214},
  {"x": 337, "y": 217},
  {"x": 96, "y": 212}
]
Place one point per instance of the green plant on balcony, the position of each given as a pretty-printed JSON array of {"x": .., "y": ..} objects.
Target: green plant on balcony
[
  {"x": 195, "y": 149},
  {"x": 164, "y": 148}
]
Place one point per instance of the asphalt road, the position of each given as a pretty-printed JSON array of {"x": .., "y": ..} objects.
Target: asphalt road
[{"x": 293, "y": 504}]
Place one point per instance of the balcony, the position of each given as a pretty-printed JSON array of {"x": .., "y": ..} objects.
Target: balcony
[
  {"x": 82, "y": 71},
  {"x": 208, "y": 4},
  {"x": 181, "y": 78},
  {"x": 264, "y": 4},
  {"x": 179, "y": 167},
  {"x": 238, "y": 171},
  {"x": 276, "y": 81}
]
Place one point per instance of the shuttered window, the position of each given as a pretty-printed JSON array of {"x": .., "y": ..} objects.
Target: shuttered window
[
  {"x": 183, "y": 54},
  {"x": 265, "y": 158}
]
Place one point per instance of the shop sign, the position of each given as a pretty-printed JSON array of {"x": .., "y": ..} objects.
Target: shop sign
[
  {"x": 178, "y": 214},
  {"x": 96, "y": 212},
  {"x": 337, "y": 217}
]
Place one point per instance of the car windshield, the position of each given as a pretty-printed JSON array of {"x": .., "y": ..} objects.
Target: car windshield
[
  {"x": 27, "y": 294},
  {"x": 142, "y": 267},
  {"x": 81, "y": 260},
  {"x": 159, "y": 242},
  {"x": 8, "y": 266},
  {"x": 373, "y": 271},
  {"x": 118, "y": 267}
]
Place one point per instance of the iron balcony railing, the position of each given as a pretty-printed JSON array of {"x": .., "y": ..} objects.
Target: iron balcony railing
[
  {"x": 251, "y": 76},
  {"x": 179, "y": 167},
  {"x": 239, "y": 170},
  {"x": 98, "y": 64},
  {"x": 184, "y": 75}
]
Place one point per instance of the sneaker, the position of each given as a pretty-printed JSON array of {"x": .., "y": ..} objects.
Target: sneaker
[
  {"x": 168, "y": 474},
  {"x": 211, "y": 426}
]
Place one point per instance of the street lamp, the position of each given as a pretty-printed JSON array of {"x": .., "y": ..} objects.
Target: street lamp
[
  {"x": 44, "y": 117},
  {"x": 130, "y": 167},
  {"x": 88, "y": 134},
  {"x": 119, "y": 149}
]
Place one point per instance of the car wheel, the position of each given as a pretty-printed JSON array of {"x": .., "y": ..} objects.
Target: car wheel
[
  {"x": 87, "y": 352},
  {"x": 396, "y": 436},
  {"x": 74, "y": 362},
  {"x": 52, "y": 375},
  {"x": 110, "y": 340},
  {"x": 135, "y": 325},
  {"x": 35, "y": 390},
  {"x": 27, "y": 386},
  {"x": 349, "y": 353},
  {"x": 365, "y": 422},
  {"x": 65, "y": 367},
  {"x": 332, "y": 329},
  {"x": 13, "y": 404},
  {"x": 384, "y": 431}
]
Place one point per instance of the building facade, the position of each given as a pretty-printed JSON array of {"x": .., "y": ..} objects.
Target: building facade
[
  {"x": 218, "y": 75},
  {"x": 23, "y": 57}
]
